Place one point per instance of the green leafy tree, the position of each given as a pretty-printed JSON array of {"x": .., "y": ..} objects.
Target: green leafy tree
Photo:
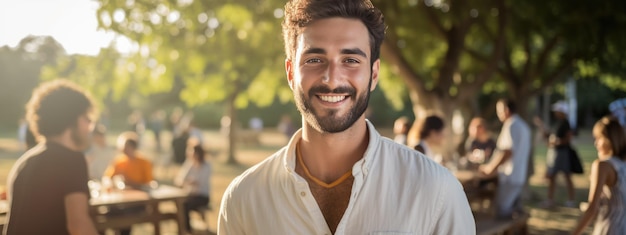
[
  {"x": 427, "y": 46},
  {"x": 546, "y": 43},
  {"x": 449, "y": 52},
  {"x": 220, "y": 51},
  {"x": 19, "y": 72}
]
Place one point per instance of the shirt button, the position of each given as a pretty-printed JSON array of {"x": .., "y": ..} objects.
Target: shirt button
[{"x": 302, "y": 194}]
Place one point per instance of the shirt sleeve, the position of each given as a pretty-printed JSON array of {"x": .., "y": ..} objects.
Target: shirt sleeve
[
  {"x": 76, "y": 176},
  {"x": 229, "y": 218},
  {"x": 455, "y": 215},
  {"x": 110, "y": 171}
]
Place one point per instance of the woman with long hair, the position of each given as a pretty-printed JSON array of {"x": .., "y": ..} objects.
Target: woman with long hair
[{"x": 607, "y": 191}]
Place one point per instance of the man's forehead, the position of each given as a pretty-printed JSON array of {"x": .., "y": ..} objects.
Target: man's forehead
[{"x": 334, "y": 33}]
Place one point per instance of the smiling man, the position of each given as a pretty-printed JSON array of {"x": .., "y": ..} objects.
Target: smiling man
[{"x": 337, "y": 175}]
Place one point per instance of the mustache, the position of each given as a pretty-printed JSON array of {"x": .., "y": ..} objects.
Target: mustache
[{"x": 326, "y": 90}]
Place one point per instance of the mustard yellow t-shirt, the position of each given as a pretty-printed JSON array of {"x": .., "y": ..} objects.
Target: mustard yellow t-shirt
[{"x": 136, "y": 170}]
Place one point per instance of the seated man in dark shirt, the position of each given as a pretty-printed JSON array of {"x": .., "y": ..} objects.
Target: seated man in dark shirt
[
  {"x": 479, "y": 147},
  {"x": 47, "y": 186}
]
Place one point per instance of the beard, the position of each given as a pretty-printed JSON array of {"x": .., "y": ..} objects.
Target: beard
[
  {"x": 332, "y": 122},
  {"x": 81, "y": 141}
]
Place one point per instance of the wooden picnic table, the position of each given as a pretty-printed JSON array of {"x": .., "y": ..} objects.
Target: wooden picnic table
[
  {"x": 466, "y": 177},
  {"x": 150, "y": 198}
]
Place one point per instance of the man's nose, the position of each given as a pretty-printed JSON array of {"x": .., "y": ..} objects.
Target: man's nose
[{"x": 333, "y": 75}]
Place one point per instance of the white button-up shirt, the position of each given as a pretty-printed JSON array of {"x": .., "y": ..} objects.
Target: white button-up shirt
[
  {"x": 396, "y": 190},
  {"x": 514, "y": 136}
]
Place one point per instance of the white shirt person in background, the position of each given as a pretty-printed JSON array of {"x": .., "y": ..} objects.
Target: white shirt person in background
[
  {"x": 100, "y": 154},
  {"x": 338, "y": 175},
  {"x": 510, "y": 161},
  {"x": 195, "y": 177}
]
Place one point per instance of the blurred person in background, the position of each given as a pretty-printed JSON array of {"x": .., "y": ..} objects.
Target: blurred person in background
[
  {"x": 480, "y": 139},
  {"x": 196, "y": 134},
  {"x": 510, "y": 160},
  {"x": 607, "y": 189},
  {"x": 195, "y": 177},
  {"x": 135, "y": 171},
  {"x": 618, "y": 110},
  {"x": 156, "y": 125},
  {"x": 181, "y": 136},
  {"x": 25, "y": 135},
  {"x": 401, "y": 128},
  {"x": 558, "y": 157},
  {"x": 430, "y": 135},
  {"x": 131, "y": 164},
  {"x": 47, "y": 186},
  {"x": 286, "y": 126},
  {"x": 479, "y": 147},
  {"x": 100, "y": 155}
]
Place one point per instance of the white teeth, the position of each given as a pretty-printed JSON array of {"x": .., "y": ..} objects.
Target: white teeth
[{"x": 332, "y": 98}]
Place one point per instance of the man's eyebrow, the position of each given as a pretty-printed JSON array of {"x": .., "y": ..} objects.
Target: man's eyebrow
[
  {"x": 314, "y": 50},
  {"x": 354, "y": 51}
]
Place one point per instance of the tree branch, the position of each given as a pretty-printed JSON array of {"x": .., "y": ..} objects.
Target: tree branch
[
  {"x": 391, "y": 52},
  {"x": 555, "y": 75},
  {"x": 476, "y": 55},
  {"x": 546, "y": 51},
  {"x": 491, "y": 66},
  {"x": 456, "y": 43},
  {"x": 434, "y": 20},
  {"x": 510, "y": 74}
]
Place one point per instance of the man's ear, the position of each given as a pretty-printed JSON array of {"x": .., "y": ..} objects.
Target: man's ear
[
  {"x": 375, "y": 72},
  {"x": 289, "y": 71}
]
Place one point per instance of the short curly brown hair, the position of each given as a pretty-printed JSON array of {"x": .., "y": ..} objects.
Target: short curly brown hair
[
  {"x": 56, "y": 106},
  {"x": 300, "y": 13}
]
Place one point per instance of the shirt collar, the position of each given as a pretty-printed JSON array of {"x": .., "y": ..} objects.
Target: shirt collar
[{"x": 361, "y": 166}]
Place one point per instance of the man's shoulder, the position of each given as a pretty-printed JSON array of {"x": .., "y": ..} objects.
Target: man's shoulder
[
  {"x": 142, "y": 158},
  {"x": 400, "y": 159},
  {"x": 519, "y": 122},
  {"x": 259, "y": 176}
]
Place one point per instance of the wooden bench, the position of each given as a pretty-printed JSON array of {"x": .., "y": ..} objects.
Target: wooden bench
[
  {"x": 123, "y": 221},
  {"x": 490, "y": 225}
]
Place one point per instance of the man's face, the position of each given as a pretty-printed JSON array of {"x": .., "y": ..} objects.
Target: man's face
[
  {"x": 502, "y": 111},
  {"x": 81, "y": 133},
  {"x": 476, "y": 129},
  {"x": 332, "y": 75}
]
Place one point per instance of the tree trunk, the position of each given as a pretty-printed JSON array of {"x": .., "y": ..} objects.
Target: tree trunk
[{"x": 232, "y": 132}]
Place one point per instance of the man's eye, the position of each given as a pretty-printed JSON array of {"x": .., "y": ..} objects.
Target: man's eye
[
  {"x": 350, "y": 60},
  {"x": 313, "y": 60}
]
